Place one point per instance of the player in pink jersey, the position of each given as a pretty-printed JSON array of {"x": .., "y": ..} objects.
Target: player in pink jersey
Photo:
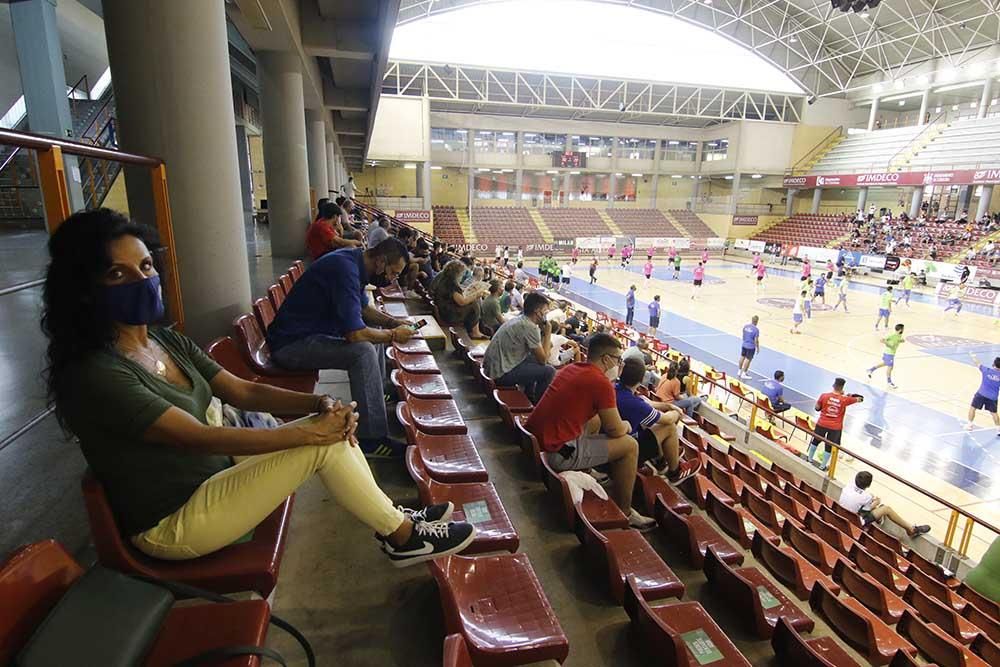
[
  {"x": 704, "y": 255},
  {"x": 699, "y": 276},
  {"x": 651, "y": 252},
  {"x": 761, "y": 273},
  {"x": 648, "y": 269}
]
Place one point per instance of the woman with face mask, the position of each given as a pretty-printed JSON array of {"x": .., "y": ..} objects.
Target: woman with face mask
[
  {"x": 136, "y": 395},
  {"x": 458, "y": 306}
]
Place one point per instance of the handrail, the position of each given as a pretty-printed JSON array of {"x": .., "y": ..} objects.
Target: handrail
[
  {"x": 76, "y": 86},
  {"x": 97, "y": 116},
  {"x": 839, "y": 131},
  {"x": 620, "y": 332},
  {"x": 41, "y": 142},
  {"x": 10, "y": 157},
  {"x": 21, "y": 286},
  {"x": 919, "y": 134}
]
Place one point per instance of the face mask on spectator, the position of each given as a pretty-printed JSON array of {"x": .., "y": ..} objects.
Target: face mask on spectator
[
  {"x": 138, "y": 302},
  {"x": 612, "y": 373}
]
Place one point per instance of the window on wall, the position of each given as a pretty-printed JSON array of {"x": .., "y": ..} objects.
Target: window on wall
[
  {"x": 678, "y": 151},
  {"x": 636, "y": 149},
  {"x": 717, "y": 149},
  {"x": 592, "y": 146},
  {"x": 490, "y": 141},
  {"x": 448, "y": 139},
  {"x": 540, "y": 143},
  {"x": 495, "y": 184}
]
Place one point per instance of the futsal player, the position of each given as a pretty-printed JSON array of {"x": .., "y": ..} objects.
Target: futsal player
[
  {"x": 704, "y": 255},
  {"x": 648, "y": 269},
  {"x": 756, "y": 263},
  {"x": 699, "y": 277},
  {"x": 751, "y": 344},
  {"x": 832, "y": 405},
  {"x": 819, "y": 291},
  {"x": 761, "y": 273},
  {"x": 808, "y": 303},
  {"x": 797, "y": 313},
  {"x": 907, "y": 285},
  {"x": 892, "y": 343},
  {"x": 987, "y": 394},
  {"x": 593, "y": 271},
  {"x": 654, "y": 313},
  {"x": 955, "y": 301},
  {"x": 806, "y": 269},
  {"x": 677, "y": 265},
  {"x": 884, "y": 309},
  {"x": 630, "y": 305},
  {"x": 842, "y": 286}
]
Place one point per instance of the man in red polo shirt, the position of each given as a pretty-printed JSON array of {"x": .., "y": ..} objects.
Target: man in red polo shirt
[
  {"x": 831, "y": 406},
  {"x": 578, "y": 426},
  {"x": 325, "y": 234}
]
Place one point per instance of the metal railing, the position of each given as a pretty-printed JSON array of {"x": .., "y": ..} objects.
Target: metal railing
[{"x": 823, "y": 144}]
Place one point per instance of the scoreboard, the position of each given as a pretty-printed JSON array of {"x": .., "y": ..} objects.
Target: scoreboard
[{"x": 569, "y": 160}]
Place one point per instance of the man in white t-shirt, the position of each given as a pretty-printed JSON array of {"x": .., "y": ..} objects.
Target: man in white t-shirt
[
  {"x": 349, "y": 189},
  {"x": 520, "y": 275},
  {"x": 857, "y": 498}
]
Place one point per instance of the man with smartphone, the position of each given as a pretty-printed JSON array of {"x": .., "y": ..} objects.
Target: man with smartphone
[{"x": 518, "y": 352}]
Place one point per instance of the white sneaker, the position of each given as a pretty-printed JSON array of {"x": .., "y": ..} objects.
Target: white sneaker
[
  {"x": 969, "y": 426},
  {"x": 640, "y": 522}
]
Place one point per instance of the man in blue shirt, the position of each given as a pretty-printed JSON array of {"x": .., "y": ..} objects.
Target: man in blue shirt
[
  {"x": 655, "y": 431},
  {"x": 986, "y": 396},
  {"x": 654, "y": 313},
  {"x": 751, "y": 343},
  {"x": 630, "y": 305},
  {"x": 774, "y": 391},
  {"x": 327, "y": 322}
]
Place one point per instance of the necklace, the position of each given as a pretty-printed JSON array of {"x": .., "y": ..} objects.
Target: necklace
[{"x": 159, "y": 367}]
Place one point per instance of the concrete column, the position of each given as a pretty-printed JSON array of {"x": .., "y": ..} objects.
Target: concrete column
[
  {"x": 695, "y": 186},
  {"x": 424, "y": 183},
  {"x": 43, "y": 81},
  {"x": 246, "y": 183},
  {"x": 964, "y": 197},
  {"x": 656, "y": 173},
  {"x": 316, "y": 154},
  {"x": 470, "y": 160},
  {"x": 817, "y": 198},
  {"x": 735, "y": 198},
  {"x": 790, "y": 202},
  {"x": 984, "y": 201},
  {"x": 984, "y": 101},
  {"x": 924, "y": 102},
  {"x": 331, "y": 171},
  {"x": 518, "y": 183},
  {"x": 916, "y": 199},
  {"x": 654, "y": 188},
  {"x": 862, "y": 199},
  {"x": 873, "y": 114},
  {"x": 613, "y": 179},
  {"x": 566, "y": 176},
  {"x": 285, "y": 163},
  {"x": 189, "y": 122}
]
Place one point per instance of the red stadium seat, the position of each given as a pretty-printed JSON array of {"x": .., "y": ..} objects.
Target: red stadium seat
[
  {"x": 762, "y": 510},
  {"x": 256, "y": 352},
  {"x": 511, "y": 401},
  {"x": 450, "y": 458},
  {"x": 794, "y": 650},
  {"x": 935, "y": 645},
  {"x": 623, "y": 553},
  {"x": 858, "y": 627},
  {"x": 413, "y": 346},
  {"x": 982, "y": 621},
  {"x": 276, "y": 293},
  {"x": 789, "y": 567},
  {"x": 264, "y": 312},
  {"x": 881, "y": 571},
  {"x": 829, "y": 534},
  {"x": 226, "y": 353},
  {"x": 941, "y": 615},
  {"x": 737, "y": 522},
  {"x": 815, "y": 550},
  {"x": 696, "y": 488},
  {"x": 456, "y": 653},
  {"x": 987, "y": 649},
  {"x": 693, "y": 535},
  {"x": 498, "y": 606},
  {"x": 286, "y": 283},
  {"x": 987, "y": 606},
  {"x": 936, "y": 589},
  {"x": 886, "y": 553},
  {"x": 419, "y": 385},
  {"x": 434, "y": 416},
  {"x": 932, "y": 569},
  {"x": 869, "y": 592},
  {"x": 648, "y": 486},
  {"x": 244, "y": 566},
  {"x": 412, "y": 363},
  {"x": 602, "y": 514},
  {"x": 847, "y": 527}
]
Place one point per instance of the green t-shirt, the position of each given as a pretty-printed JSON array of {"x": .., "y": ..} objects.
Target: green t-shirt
[
  {"x": 886, "y": 300},
  {"x": 489, "y": 313},
  {"x": 985, "y": 577},
  {"x": 892, "y": 342},
  {"x": 908, "y": 282},
  {"x": 505, "y": 302},
  {"x": 677, "y": 261},
  {"x": 112, "y": 401}
]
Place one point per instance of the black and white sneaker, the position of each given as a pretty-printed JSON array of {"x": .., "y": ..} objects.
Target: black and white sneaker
[
  {"x": 430, "y": 541},
  {"x": 431, "y": 513}
]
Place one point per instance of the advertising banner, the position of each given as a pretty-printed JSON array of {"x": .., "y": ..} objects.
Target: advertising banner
[
  {"x": 891, "y": 263},
  {"x": 472, "y": 247},
  {"x": 413, "y": 216},
  {"x": 757, "y": 246},
  {"x": 716, "y": 243},
  {"x": 873, "y": 261},
  {"x": 741, "y": 244},
  {"x": 896, "y": 178},
  {"x": 745, "y": 220},
  {"x": 557, "y": 246},
  {"x": 852, "y": 258},
  {"x": 818, "y": 255},
  {"x": 981, "y": 295},
  {"x": 594, "y": 242}
]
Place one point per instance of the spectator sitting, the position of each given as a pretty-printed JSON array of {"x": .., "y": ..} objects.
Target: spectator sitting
[
  {"x": 774, "y": 391},
  {"x": 576, "y": 326},
  {"x": 856, "y": 498},
  {"x": 984, "y": 578},
  {"x": 455, "y": 305},
  {"x": 181, "y": 486},
  {"x": 379, "y": 232},
  {"x": 520, "y": 275},
  {"x": 655, "y": 431},
  {"x": 669, "y": 391},
  {"x": 490, "y": 316},
  {"x": 641, "y": 352},
  {"x": 326, "y": 322},
  {"x": 516, "y": 299},
  {"x": 578, "y": 426},
  {"x": 325, "y": 234},
  {"x": 519, "y": 350},
  {"x": 505, "y": 297}
]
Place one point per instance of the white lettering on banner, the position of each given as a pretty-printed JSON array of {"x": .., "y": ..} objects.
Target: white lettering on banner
[
  {"x": 982, "y": 295},
  {"x": 745, "y": 220},
  {"x": 864, "y": 179},
  {"x": 757, "y": 246},
  {"x": 988, "y": 175},
  {"x": 594, "y": 242},
  {"x": 472, "y": 247},
  {"x": 715, "y": 243},
  {"x": 827, "y": 180},
  {"x": 873, "y": 261},
  {"x": 794, "y": 180},
  {"x": 742, "y": 244},
  {"x": 412, "y": 215}
]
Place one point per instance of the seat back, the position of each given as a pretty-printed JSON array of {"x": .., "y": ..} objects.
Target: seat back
[
  {"x": 836, "y": 520},
  {"x": 879, "y": 570},
  {"x": 739, "y": 593},
  {"x": 277, "y": 295},
  {"x": 930, "y": 568},
  {"x": 930, "y": 585},
  {"x": 295, "y": 272},
  {"x": 888, "y": 540},
  {"x": 794, "y": 650},
  {"x": 488, "y": 383},
  {"x": 780, "y": 563},
  {"x": 759, "y": 507},
  {"x": 264, "y": 311},
  {"x": 851, "y": 626},
  {"x": 405, "y": 420},
  {"x": 719, "y": 457},
  {"x": 112, "y": 550},
  {"x": 804, "y": 543},
  {"x": 934, "y": 644},
  {"x": 989, "y": 607},
  {"x": 987, "y": 649},
  {"x": 783, "y": 474},
  {"x": 861, "y": 587},
  {"x": 299, "y": 266},
  {"x": 529, "y": 443},
  {"x": 801, "y": 497},
  {"x": 814, "y": 493},
  {"x": 722, "y": 478},
  {"x": 728, "y": 518},
  {"x": 418, "y": 473},
  {"x": 32, "y": 579},
  {"x": 852, "y": 517},
  {"x": 772, "y": 478},
  {"x": 252, "y": 341},
  {"x": 877, "y": 548},
  {"x": 983, "y": 621},
  {"x": 826, "y": 532},
  {"x": 931, "y": 609},
  {"x": 456, "y": 653},
  {"x": 286, "y": 283},
  {"x": 225, "y": 352},
  {"x": 748, "y": 477}
]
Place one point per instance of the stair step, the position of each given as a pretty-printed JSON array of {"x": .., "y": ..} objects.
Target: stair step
[
  {"x": 543, "y": 229},
  {"x": 615, "y": 229}
]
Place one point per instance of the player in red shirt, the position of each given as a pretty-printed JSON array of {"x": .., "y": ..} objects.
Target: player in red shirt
[
  {"x": 831, "y": 407},
  {"x": 578, "y": 426}
]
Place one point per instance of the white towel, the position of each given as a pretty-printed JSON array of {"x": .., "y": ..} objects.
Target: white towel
[{"x": 579, "y": 482}]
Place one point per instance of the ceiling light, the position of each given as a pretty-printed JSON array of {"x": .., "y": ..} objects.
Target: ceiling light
[
  {"x": 618, "y": 173},
  {"x": 574, "y": 173},
  {"x": 678, "y": 176},
  {"x": 923, "y": 80},
  {"x": 792, "y": 39},
  {"x": 954, "y": 107},
  {"x": 877, "y": 87},
  {"x": 756, "y": 176},
  {"x": 949, "y": 74},
  {"x": 637, "y": 175},
  {"x": 673, "y": 143},
  {"x": 728, "y": 178},
  {"x": 708, "y": 2},
  {"x": 508, "y": 134},
  {"x": 976, "y": 69},
  {"x": 863, "y": 15},
  {"x": 435, "y": 168},
  {"x": 902, "y": 103},
  {"x": 898, "y": 85},
  {"x": 958, "y": 86},
  {"x": 972, "y": 105},
  {"x": 409, "y": 165},
  {"x": 937, "y": 110},
  {"x": 552, "y": 171},
  {"x": 483, "y": 169}
]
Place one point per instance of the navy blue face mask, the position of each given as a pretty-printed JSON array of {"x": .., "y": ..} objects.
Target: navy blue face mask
[{"x": 135, "y": 303}]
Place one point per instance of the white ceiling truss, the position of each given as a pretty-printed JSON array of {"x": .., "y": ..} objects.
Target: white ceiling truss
[
  {"x": 524, "y": 93},
  {"x": 828, "y": 52}
]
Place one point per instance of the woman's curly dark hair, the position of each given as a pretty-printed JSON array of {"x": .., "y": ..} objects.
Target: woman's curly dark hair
[{"x": 71, "y": 319}]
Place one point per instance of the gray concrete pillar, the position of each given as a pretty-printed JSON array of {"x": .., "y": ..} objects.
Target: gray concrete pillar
[
  {"x": 873, "y": 114},
  {"x": 916, "y": 199},
  {"x": 984, "y": 201},
  {"x": 655, "y": 184},
  {"x": 925, "y": 98},
  {"x": 862, "y": 199},
  {"x": 984, "y": 101},
  {"x": 316, "y": 154},
  {"x": 566, "y": 177},
  {"x": 817, "y": 198},
  {"x": 43, "y": 81},
  {"x": 654, "y": 188},
  {"x": 613, "y": 178},
  {"x": 964, "y": 197},
  {"x": 285, "y": 163},
  {"x": 734, "y": 200},
  {"x": 246, "y": 182},
  {"x": 518, "y": 182},
  {"x": 189, "y": 122},
  {"x": 695, "y": 186},
  {"x": 424, "y": 183},
  {"x": 331, "y": 171},
  {"x": 790, "y": 202}
]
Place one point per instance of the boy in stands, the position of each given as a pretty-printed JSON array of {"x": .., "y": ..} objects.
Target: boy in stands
[
  {"x": 892, "y": 343},
  {"x": 884, "y": 309},
  {"x": 578, "y": 426},
  {"x": 699, "y": 277},
  {"x": 751, "y": 344},
  {"x": 857, "y": 498},
  {"x": 986, "y": 396},
  {"x": 832, "y": 405}
]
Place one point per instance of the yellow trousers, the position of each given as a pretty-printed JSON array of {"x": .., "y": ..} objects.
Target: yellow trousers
[{"x": 232, "y": 502}]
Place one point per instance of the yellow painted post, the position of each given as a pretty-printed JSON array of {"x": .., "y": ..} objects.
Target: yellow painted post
[
  {"x": 834, "y": 455},
  {"x": 753, "y": 418},
  {"x": 949, "y": 535},
  {"x": 52, "y": 178},
  {"x": 963, "y": 545},
  {"x": 164, "y": 226}
]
